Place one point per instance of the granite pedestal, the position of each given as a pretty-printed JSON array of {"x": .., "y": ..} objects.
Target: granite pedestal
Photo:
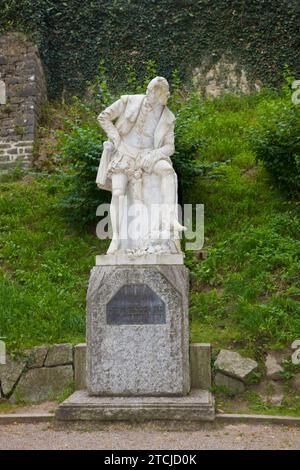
[
  {"x": 138, "y": 331},
  {"x": 198, "y": 405},
  {"x": 138, "y": 346}
]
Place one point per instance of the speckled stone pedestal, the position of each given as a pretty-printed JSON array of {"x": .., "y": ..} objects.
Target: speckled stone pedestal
[
  {"x": 138, "y": 331},
  {"x": 137, "y": 351},
  {"x": 197, "y": 406}
]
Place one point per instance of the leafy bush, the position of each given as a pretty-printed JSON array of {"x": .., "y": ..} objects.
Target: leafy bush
[
  {"x": 189, "y": 144},
  {"x": 277, "y": 143},
  {"x": 80, "y": 148}
]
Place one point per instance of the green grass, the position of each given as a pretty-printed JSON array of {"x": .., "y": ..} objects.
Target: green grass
[
  {"x": 7, "y": 407},
  {"x": 44, "y": 266},
  {"x": 245, "y": 295},
  {"x": 252, "y": 403}
]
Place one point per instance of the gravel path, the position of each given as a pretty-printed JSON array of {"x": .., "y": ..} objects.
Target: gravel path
[{"x": 114, "y": 437}]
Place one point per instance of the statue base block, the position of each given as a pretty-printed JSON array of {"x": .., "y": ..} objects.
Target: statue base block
[
  {"x": 197, "y": 406},
  {"x": 122, "y": 259},
  {"x": 138, "y": 331}
]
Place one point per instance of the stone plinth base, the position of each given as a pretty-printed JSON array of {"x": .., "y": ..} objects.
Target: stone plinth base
[
  {"x": 126, "y": 259},
  {"x": 197, "y": 406},
  {"x": 137, "y": 331}
]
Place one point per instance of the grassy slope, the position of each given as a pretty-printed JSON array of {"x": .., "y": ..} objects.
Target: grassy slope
[
  {"x": 44, "y": 267},
  {"x": 247, "y": 292},
  {"x": 244, "y": 295}
]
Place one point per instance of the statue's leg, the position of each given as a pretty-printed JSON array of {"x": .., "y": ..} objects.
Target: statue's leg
[
  {"x": 119, "y": 183},
  {"x": 168, "y": 196}
]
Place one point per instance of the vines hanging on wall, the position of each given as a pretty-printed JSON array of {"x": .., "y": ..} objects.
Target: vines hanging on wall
[{"x": 73, "y": 36}]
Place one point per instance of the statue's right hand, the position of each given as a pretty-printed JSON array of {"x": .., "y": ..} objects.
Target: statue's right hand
[
  {"x": 108, "y": 146},
  {"x": 116, "y": 140}
]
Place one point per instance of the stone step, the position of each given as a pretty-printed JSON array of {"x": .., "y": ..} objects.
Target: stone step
[{"x": 198, "y": 405}]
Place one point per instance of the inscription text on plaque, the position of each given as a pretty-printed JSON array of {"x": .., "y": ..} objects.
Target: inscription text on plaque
[{"x": 135, "y": 304}]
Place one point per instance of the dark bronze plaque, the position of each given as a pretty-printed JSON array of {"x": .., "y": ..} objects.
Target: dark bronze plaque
[{"x": 135, "y": 304}]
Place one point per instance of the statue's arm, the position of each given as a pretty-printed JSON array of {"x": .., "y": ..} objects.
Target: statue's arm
[
  {"x": 166, "y": 150},
  {"x": 168, "y": 147},
  {"x": 108, "y": 115}
]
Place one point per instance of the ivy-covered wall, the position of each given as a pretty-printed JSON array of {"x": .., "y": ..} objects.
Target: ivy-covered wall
[{"x": 73, "y": 35}]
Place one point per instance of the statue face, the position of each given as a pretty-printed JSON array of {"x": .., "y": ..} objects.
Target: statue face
[
  {"x": 157, "y": 96},
  {"x": 158, "y": 91}
]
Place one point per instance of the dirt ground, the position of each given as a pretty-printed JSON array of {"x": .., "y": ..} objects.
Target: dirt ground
[
  {"x": 142, "y": 436},
  {"x": 138, "y": 437}
]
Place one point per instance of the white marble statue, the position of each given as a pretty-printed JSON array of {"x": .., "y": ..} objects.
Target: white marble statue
[{"x": 136, "y": 167}]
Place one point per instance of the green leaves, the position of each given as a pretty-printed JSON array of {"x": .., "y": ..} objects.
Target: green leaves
[
  {"x": 277, "y": 144},
  {"x": 73, "y": 36}
]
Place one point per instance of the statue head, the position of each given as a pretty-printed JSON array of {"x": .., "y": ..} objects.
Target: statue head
[{"x": 158, "y": 91}]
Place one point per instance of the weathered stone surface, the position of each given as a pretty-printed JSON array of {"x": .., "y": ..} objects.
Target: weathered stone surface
[
  {"x": 295, "y": 383},
  {"x": 36, "y": 356},
  {"x": 197, "y": 406},
  {"x": 296, "y": 356},
  {"x": 200, "y": 364},
  {"x": 22, "y": 94},
  {"x": 233, "y": 385},
  {"x": 2, "y": 354},
  {"x": 223, "y": 77},
  {"x": 235, "y": 365},
  {"x": 59, "y": 354},
  {"x": 269, "y": 391},
  {"x": 273, "y": 369},
  {"x": 10, "y": 372},
  {"x": 80, "y": 366},
  {"x": 43, "y": 383},
  {"x": 277, "y": 393},
  {"x": 13, "y": 151},
  {"x": 123, "y": 258},
  {"x": 2, "y": 92},
  {"x": 143, "y": 359}
]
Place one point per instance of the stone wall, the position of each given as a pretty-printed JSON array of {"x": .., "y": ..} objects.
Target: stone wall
[
  {"x": 38, "y": 374},
  {"x": 48, "y": 372},
  {"x": 23, "y": 91},
  {"x": 224, "y": 76}
]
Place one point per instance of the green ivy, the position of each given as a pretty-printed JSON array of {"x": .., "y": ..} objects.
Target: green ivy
[{"x": 73, "y": 36}]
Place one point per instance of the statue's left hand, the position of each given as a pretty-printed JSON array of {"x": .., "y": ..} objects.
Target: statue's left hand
[{"x": 147, "y": 160}]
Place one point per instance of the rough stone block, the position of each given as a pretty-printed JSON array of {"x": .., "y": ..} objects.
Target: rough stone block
[
  {"x": 11, "y": 372},
  {"x": 80, "y": 366},
  {"x": 277, "y": 393},
  {"x": 138, "y": 347},
  {"x": 36, "y": 356},
  {"x": 295, "y": 382},
  {"x": 235, "y": 365},
  {"x": 200, "y": 364},
  {"x": 273, "y": 369},
  {"x": 59, "y": 354},
  {"x": 235, "y": 386},
  {"x": 43, "y": 384}
]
